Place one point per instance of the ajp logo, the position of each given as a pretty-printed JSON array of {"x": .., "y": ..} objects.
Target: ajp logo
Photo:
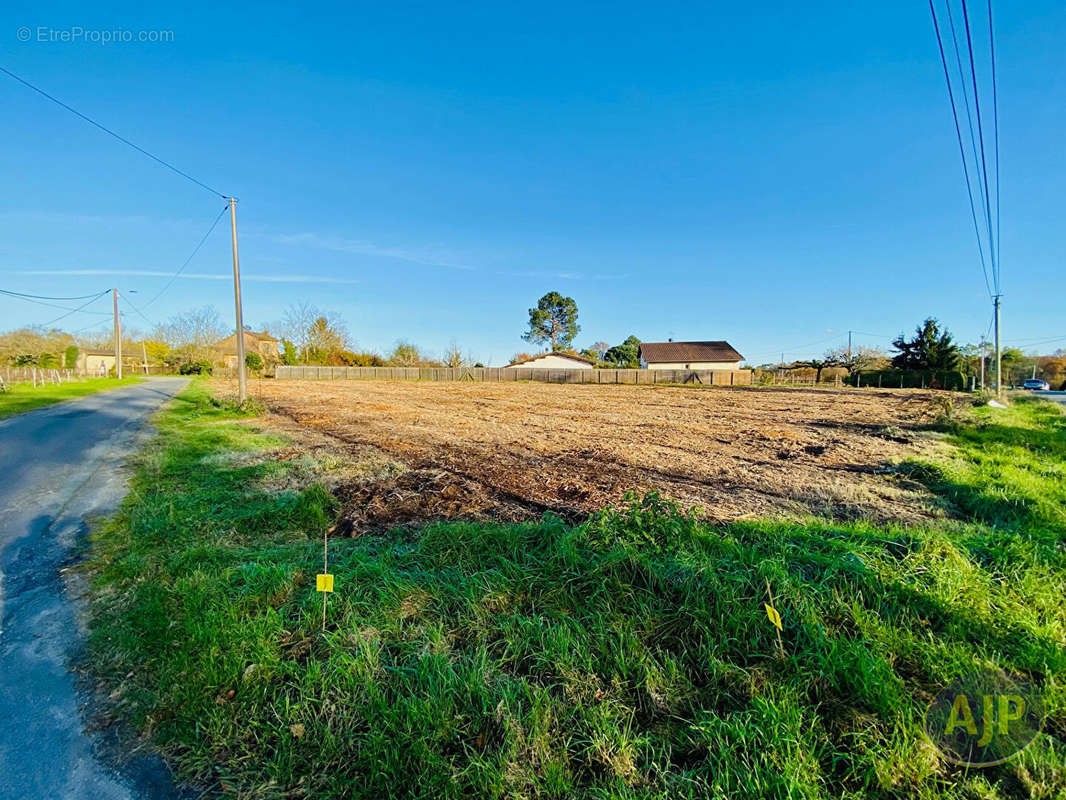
[{"x": 984, "y": 719}]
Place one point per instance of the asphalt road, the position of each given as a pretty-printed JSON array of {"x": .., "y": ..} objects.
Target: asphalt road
[
  {"x": 1055, "y": 397},
  {"x": 59, "y": 467}
]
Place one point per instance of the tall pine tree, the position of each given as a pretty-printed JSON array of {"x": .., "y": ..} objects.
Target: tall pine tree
[{"x": 930, "y": 349}]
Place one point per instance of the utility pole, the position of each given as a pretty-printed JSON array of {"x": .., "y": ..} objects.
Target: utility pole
[
  {"x": 999, "y": 354},
  {"x": 984, "y": 355},
  {"x": 242, "y": 381},
  {"x": 118, "y": 335},
  {"x": 849, "y": 345},
  {"x": 144, "y": 354}
]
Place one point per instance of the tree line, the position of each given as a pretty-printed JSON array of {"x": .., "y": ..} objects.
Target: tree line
[{"x": 189, "y": 342}]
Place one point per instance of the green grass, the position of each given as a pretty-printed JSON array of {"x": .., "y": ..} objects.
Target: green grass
[
  {"x": 21, "y": 397},
  {"x": 626, "y": 657}
]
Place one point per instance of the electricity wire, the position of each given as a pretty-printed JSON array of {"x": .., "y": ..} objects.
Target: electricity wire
[
  {"x": 962, "y": 148},
  {"x": 192, "y": 255},
  {"x": 17, "y": 296},
  {"x": 45, "y": 297},
  {"x": 141, "y": 313},
  {"x": 76, "y": 310},
  {"x": 981, "y": 140},
  {"x": 110, "y": 132}
]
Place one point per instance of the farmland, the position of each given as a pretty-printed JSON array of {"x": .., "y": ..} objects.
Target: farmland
[
  {"x": 511, "y": 451},
  {"x": 625, "y": 655}
]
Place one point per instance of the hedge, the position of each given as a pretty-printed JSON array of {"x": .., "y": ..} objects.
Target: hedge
[{"x": 911, "y": 379}]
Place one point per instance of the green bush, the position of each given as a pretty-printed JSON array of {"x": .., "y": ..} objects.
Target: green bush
[
  {"x": 253, "y": 361},
  {"x": 195, "y": 368}
]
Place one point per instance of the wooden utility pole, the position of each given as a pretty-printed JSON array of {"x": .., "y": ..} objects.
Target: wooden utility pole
[
  {"x": 118, "y": 335},
  {"x": 242, "y": 381},
  {"x": 144, "y": 355},
  {"x": 999, "y": 354}
]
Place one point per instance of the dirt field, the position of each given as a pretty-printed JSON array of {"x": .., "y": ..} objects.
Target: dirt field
[{"x": 511, "y": 451}]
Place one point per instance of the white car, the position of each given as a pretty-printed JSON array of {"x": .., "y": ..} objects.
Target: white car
[{"x": 1036, "y": 384}]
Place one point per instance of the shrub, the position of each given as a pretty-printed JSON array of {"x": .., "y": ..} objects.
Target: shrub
[
  {"x": 195, "y": 368},
  {"x": 253, "y": 361},
  {"x": 911, "y": 379}
]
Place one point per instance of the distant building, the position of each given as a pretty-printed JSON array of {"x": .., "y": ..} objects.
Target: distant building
[
  {"x": 554, "y": 361},
  {"x": 262, "y": 343},
  {"x": 689, "y": 355},
  {"x": 100, "y": 363}
]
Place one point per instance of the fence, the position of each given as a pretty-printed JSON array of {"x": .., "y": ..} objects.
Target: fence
[
  {"x": 37, "y": 375},
  {"x": 708, "y": 377}
]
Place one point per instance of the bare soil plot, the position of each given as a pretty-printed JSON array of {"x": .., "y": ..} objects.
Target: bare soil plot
[{"x": 511, "y": 451}]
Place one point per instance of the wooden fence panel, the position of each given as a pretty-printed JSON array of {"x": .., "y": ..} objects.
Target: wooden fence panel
[{"x": 542, "y": 374}]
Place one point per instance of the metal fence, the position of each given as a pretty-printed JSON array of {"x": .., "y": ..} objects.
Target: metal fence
[{"x": 708, "y": 377}]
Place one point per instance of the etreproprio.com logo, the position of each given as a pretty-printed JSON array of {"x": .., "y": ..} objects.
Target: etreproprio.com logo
[{"x": 984, "y": 719}]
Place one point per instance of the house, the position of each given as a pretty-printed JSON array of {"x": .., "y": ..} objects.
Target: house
[
  {"x": 262, "y": 343},
  {"x": 689, "y": 355},
  {"x": 99, "y": 363},
  {"x": 554, "y": 361}
]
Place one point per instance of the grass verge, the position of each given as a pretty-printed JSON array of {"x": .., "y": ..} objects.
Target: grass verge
[
  {"x": 21, "y": 397},
  {"x": 626, "y": 657}
]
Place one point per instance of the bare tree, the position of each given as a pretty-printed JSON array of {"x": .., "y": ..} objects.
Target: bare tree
[
  {"x": 194, "y": 332},
  {"x": 295, "y": 325},
  {"x": 325, "y": 338},
  {"x": 454, "y": 357},
  {"x": 860, "y": 358},
  {"x": 315, "y": 334},
  {"x": 405, "y": 354}
]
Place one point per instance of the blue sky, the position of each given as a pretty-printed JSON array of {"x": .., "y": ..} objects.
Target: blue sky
[{"x": 773, "y": 176}]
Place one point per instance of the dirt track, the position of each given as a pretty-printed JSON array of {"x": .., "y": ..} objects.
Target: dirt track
[{"x": 513, "y": 450}]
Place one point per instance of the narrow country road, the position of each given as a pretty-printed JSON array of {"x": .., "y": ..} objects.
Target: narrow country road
[
  {"x": 1054, "y": 397},
  {"x": 60, "y": 466}
]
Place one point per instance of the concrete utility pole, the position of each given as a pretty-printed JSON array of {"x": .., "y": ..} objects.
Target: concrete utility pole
[
  {"x": 999, "y": 354},
  {"x": 242, "y": 380},
  {"x": 144, "y": 355},
  {"x": 984, "y": 347},
  {"x": 849, "y": 345},
  {"x": 118, "y": 335}
]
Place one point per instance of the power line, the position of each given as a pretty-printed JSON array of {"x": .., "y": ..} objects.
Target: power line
[
  {"x": 110, "y": 132},
  {"x": 85, "y": 328},
  {"x": 981, "y": 139},
  {"x": 192, "y": 255},
  {"x": 1018, "y": 343},
  {"x": 45, "y": 297},
  {"x": 43, "y": 303},
  {"x": 962, "y": 86},
  {"x": 962, "y": 149},
  {"x": 797, "y": 347},
  {"x": 131, "y": 305},
  {"x": 995, "y": 128},
  {"x": 76, "y": 310}
]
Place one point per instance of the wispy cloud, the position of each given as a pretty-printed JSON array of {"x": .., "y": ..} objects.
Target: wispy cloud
[
  {"x": 340, "y": 244},
  {"x": 203, "y": 276},
  {"x": 565, "y": 276},
  {"x": 423, "y": 256}
]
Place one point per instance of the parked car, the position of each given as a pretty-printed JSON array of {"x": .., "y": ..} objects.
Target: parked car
[{"x": 1036, "y": 384}]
